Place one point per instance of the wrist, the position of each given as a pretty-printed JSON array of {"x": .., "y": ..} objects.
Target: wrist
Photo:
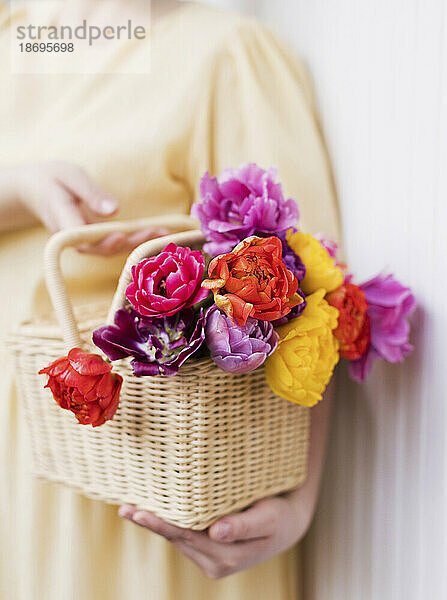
[{"x": 302, "y": 503}]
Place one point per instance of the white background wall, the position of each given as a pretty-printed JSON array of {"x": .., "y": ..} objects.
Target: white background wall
[{"x": 380, "y": 72}]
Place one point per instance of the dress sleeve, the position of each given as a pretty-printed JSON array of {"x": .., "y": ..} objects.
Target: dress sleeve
[{"x": 258, "y": 107}]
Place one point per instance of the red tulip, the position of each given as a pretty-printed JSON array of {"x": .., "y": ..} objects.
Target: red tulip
[
  {"x": 353, "y": 330},
  {"x": 83, "y": 383}
]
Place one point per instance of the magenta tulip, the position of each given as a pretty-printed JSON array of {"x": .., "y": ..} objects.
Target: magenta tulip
[{"x": 164, "y": 284}]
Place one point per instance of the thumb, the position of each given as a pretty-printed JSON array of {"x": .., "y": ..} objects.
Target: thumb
[{"x": 256, "y": 522}]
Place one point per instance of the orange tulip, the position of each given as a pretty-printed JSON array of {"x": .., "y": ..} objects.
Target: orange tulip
[{"x": 253, "y": 281}]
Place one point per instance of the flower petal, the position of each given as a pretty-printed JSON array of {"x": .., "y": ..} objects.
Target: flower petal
[{"x": 88, "y": 364}]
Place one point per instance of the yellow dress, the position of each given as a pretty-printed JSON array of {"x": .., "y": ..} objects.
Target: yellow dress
[{"x": 221, "y": 91}]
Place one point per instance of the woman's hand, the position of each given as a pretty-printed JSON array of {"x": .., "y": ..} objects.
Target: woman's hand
[
  {"x": 61, "y": 195},
  {"x": 238, "y": 541}
]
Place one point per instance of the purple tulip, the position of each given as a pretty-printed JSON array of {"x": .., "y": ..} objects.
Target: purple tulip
[
  {"x": 158, "y": 346},
  {"x": 291, "y": 260},
  {"x": 242, "y": 202},
  {"x": 238, "y": 349},
  {"x": 389, "y": 304}
]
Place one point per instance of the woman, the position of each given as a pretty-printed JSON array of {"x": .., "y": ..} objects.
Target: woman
[{"x": 80, "y": 148}]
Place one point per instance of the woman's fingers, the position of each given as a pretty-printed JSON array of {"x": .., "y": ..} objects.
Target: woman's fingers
[
  {"x": 62, "y": 196},
  {"x": 152, "y": 522},
  {"x": 120, "y": 242},
  {"x": 65, "y": 212},
  {"x": 168, "y": 531},
  {"x": 195, "y": 539},
  {"x": 127, "y": 511},
  {"x": 111, "y": 244},
  {"x": 259, "y": 521},
  {"x": 215, "y": 558},
  {"x": 53, "y": 204},
  {"x": 235, "y": 542},
  {"x": 95, "y": 199},
  {"x": 58, "y": 209},
  {"x": 144, "y": 235}
]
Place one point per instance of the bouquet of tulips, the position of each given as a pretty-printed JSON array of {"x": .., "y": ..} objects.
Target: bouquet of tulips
[{"x": 260, "y": 292}]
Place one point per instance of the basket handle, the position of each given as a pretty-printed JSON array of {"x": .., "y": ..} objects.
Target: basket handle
[{"x": 54, "y": 278}]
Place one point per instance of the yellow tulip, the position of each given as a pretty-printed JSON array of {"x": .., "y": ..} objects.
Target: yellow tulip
[
  {"x": 321, "y": 270},
  {"x": 302, "y": 365}
]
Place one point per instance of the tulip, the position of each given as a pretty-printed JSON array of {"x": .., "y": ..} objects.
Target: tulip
[
  {"x": 253, "y": 281},
  {"x": 389, "y": 305},
  {"x": 164, "y": 284},
  {"x": 240, "y": 203},
  {"x": 354, "y": 329},
  {"x": 157, "y": 346},
  {"x": 238, "y": 349},
  {"x": 83, "y": 383}
]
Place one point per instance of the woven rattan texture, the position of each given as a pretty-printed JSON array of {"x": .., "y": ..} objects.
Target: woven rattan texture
[{"x": 190, "y": 448}]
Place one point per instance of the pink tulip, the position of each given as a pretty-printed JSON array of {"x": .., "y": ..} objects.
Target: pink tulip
[
  {"x": 164, "y": 284},
  {"x": 389, "y": 304}
]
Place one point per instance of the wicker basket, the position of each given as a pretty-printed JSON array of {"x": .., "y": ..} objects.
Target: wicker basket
[{"x": 190, "y": 448}]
